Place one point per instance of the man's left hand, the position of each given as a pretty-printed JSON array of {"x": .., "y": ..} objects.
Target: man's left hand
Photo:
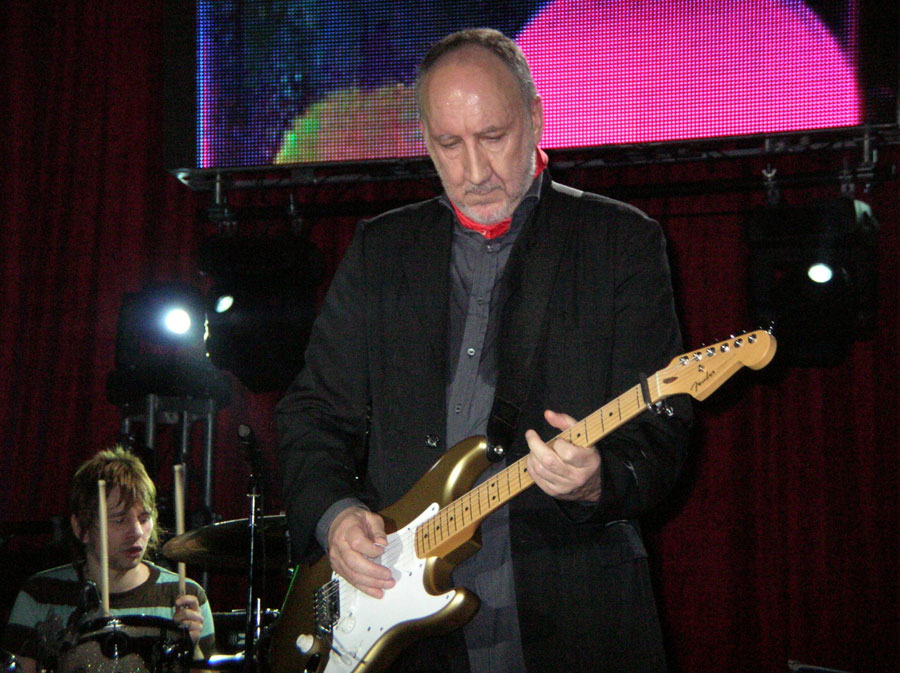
[
  {"x": 187, "y": 613},
  {"x": 564, "y": 470}
]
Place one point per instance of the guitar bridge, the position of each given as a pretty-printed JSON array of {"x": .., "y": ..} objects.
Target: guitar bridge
[{"x": 326, "y": 604}]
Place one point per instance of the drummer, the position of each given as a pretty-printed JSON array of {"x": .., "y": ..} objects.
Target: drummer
[{"x": 53, "y": 603}]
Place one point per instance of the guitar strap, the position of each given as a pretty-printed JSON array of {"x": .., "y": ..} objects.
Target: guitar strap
[{"x": 529, "y": 279}]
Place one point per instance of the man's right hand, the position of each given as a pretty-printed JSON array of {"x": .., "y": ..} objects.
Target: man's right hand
[{"x": 356, "y": 539}]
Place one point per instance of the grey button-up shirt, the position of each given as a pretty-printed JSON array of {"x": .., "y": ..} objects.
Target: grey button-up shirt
[{"x": 492, "y": 637}]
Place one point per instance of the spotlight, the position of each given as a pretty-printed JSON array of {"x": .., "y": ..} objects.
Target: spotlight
[
  {"x": 223, "y": 302},
  {"x": 812, "y": 275},
  {"x": 820, "y": 272},
  {"x": 161, "y": 346},
  {"x": 164, "y": 321},
  {"x": 177, "y": 321}
]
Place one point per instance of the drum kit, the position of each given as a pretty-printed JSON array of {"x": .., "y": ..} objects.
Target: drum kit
[
  {"x": 107, "y": 643},
  {"x": 147, "y": 644}
]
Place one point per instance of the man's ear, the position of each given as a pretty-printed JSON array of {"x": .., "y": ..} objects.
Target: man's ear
[
  {"x": 537, "y": 119},
  {"x": 80, "y": 535}
]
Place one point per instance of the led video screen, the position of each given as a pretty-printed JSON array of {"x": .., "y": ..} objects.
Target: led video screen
[{"x": 287, "y": 82}]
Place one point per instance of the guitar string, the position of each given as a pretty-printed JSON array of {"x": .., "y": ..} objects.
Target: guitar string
[{"x": 397, "y": 552}]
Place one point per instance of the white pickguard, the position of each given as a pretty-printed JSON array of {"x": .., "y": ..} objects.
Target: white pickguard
[{"x": 364, "y": 620}]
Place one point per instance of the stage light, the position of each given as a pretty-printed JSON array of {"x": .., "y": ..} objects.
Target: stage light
[
  {"x": 820, "y": 272},
  {"x": 161, "y": 346},
  {"x": 812, "y": 276},
  {"x": 163, "y": 320},
  {"x": 177, "y": 321},
  {"x": 261, "y": 304},
  {"x": 224, "y": 302}
]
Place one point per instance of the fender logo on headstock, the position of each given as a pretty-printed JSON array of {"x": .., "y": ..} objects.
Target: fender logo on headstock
[{"x": 708, "y": 374}]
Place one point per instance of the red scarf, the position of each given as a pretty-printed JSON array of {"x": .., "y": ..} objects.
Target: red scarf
[{"x": 497, "y": 228}]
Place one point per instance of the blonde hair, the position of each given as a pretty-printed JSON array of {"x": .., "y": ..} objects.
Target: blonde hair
[{"x": 118, "y": 467}]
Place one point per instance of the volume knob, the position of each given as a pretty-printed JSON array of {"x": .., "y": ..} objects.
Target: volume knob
[{"x": 305, "y": 643}]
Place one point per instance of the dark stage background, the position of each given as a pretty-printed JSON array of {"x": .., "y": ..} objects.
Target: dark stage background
[{"x": 782, "y": 539}]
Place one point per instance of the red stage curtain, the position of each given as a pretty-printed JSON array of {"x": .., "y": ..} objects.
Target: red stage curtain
[{"x": 782, "y": 539}]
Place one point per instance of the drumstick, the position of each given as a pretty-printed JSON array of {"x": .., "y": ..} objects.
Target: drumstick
[
  {"x": 104, "y": 545},
  {"x": 179, "y": 530},
  {"x": 179, "y": 522}
]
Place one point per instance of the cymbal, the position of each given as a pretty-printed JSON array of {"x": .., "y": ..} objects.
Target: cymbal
[{"x": 227, "y": 544}]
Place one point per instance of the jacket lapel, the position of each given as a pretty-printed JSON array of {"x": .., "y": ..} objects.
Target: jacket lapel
[
  {"x": 426, "y": 266},
  {"x": 529, "y": 280}
]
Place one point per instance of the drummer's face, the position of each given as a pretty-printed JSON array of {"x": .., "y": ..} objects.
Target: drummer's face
[{"x": 128, "y": 531}]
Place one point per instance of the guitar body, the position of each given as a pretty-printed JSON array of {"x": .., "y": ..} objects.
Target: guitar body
[{"x": 369, "y": 633}]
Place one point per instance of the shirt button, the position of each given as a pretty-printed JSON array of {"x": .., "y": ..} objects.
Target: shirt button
[
  {"x": 471, "y": 352},
  {"x": 457, "y": 408}
]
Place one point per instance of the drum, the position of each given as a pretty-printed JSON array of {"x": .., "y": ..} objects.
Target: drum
[{"x": 129, "y": 644}]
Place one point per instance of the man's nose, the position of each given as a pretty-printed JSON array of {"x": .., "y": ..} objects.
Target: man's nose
[
  {"x": 136, "y": 528},
  {"x": 477, "y": 167}
]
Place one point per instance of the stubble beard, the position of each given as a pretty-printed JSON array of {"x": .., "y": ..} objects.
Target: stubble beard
[{"x": 523, "y": 178}]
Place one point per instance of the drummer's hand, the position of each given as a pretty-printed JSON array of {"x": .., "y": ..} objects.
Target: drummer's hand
[
  {"x": 187, "y": 613},
  {"x": 355, "y": 541}
]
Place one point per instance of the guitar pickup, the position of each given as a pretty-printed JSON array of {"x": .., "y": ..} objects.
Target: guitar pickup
[{"x": 327, "y": 606}]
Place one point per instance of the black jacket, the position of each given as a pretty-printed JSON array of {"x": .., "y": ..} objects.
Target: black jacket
[{"x": 366, "y": 417}]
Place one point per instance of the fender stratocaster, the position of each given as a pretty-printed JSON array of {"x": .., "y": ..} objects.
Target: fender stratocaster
[{"x": 328, "y": 626}]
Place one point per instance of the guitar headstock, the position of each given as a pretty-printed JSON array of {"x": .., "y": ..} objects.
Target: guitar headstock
[{"x": 699, "y": 373}]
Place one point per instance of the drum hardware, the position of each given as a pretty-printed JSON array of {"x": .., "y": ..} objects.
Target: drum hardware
[
  {"x": 128, "y": 643},
  {"x": 219, "y": 662},
  {"x": 255, "y": 545},
  {"x": 257, "y": 556},
  {"x": 231, "y": 629}
]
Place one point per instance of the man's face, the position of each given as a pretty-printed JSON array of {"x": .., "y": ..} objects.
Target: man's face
[
  {"x": 479, "y": 133},
  {"x": 128, "y": 532}
]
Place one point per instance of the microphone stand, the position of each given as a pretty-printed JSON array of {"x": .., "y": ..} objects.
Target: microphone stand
[{"x": 257, "y": 557}]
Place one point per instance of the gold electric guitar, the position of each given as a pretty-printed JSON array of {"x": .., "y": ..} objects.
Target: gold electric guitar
[{"x": 328, "y": 626}]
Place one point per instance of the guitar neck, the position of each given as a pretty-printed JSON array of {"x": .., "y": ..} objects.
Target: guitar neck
[{"x": 453, "y": 525}]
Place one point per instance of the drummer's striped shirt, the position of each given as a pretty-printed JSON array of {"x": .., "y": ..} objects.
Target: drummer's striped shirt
[{"x": 46, "y": 614}]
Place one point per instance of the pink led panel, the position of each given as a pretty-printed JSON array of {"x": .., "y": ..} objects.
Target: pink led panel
[
  {"x": 308, "y": 83},
  {"x": 643, "y": 70}
]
